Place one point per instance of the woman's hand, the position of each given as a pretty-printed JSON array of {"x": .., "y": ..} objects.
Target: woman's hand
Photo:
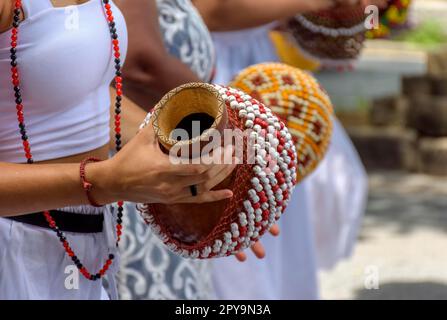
[{"x": 142, "y": 173}]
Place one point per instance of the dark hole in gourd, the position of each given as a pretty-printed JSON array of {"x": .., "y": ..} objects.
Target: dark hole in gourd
[{"x": 190, "y": 121}]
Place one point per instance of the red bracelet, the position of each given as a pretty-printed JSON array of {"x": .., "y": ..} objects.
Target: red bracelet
[{"x": 87, "y": 186}]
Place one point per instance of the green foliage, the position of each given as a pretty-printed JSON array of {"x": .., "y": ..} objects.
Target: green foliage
[{"x": 427, "y": 34}]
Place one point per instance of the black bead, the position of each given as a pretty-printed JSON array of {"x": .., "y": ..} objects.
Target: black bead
[
  {"x": 21, "y": 126},
  {"x": 13, "y": 50},
  {"x": 118, "y": 136},
  {"x": 118, "y": 98},
  {"x": 16, "y": 89},
  {"x": 15, "y": 24},
  {"x": 111, "y": 256},
  {"x": 30, "y": 161},
  {"x": 19, "y": 100},
  {"x": 118, "y": 73},
  {"x": 17, "y": 12},
  {"x": 24, "y": 137},
  {"x": 13, "y": 57},
  {"x": 114, "y": 36}
]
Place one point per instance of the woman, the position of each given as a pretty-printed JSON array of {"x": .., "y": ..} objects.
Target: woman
[
  {"x": 334, "y": 195},
  {"x": 48, "y": 127}
]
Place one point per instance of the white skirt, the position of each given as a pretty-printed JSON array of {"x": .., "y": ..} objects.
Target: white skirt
[
  {"x": 320, "y": 225},
  {"x": 34, "y": 265}
]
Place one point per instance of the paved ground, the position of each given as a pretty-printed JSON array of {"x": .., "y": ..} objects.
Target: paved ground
[{"x": 403, "y": 244}]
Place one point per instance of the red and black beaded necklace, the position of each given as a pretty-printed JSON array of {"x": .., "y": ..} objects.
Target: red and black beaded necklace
[{"x": 26, "y": 145}]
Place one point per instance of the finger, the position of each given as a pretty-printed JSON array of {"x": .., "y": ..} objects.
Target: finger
[
  {"x": 212, "y": 177},
  {"x": 241, "y": 256},
  {"x": 210, "y": 196},
  {"x": 208, "y": 179},
  {"x": 258, "y": 250},
  {"x": 274, "y": 230},
  {"x": 217, "y": 179},
  {"x": 220, "y": 156}
]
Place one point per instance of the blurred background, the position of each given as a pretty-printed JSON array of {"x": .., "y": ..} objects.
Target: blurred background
[{"x": 394, "y": 106}]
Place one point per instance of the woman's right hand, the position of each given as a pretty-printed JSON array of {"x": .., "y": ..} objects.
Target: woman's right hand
[{"x": 142, "y": 173}]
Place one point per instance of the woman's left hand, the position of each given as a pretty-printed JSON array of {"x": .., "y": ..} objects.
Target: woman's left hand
[{"x": 258, "y": 248}]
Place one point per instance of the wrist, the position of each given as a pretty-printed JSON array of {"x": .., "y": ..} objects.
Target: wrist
[{"x": 100, "y": 175}]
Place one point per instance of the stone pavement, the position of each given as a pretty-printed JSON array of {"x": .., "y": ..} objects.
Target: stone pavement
[{"x": 402, "y": 249}]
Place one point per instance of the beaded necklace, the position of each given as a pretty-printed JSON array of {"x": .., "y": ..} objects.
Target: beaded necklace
[{"x": 15, "y": 79}]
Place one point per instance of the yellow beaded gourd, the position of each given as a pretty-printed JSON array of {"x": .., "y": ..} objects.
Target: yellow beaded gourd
[{"x": 299, "y": 100}]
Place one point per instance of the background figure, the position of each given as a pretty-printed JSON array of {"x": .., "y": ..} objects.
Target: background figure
[
  {"x": 323, "y": 217},
  {"x": 186, "y": 36},
  {"x": 148, "y": 269}
]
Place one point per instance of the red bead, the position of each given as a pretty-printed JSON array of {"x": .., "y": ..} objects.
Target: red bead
[
  {"x": 119, "y": 92},
  {"x": 265, "y": 214}
]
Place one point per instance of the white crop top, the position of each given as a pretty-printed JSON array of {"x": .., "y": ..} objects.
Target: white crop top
[{"x": 66, "y": 65}]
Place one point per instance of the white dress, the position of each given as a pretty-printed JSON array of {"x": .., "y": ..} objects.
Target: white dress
[
  {"x": 35, "y": 266},
  {"x": 321, "y": 223}
]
